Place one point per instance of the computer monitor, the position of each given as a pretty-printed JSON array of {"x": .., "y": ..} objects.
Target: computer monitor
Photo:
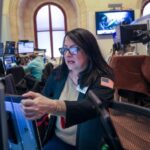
[
  {"x": 10, "y": 47},
  {"x": 23, "y": 133},
  {"x": 3, "y": 120},
  {"x": 25, "y": 47},
  {"x": 9, "y": 60},
  {"x": 1, "y": 49},
  {"x": 126, "y": 34},
  {"x": 3, "y": 129}
]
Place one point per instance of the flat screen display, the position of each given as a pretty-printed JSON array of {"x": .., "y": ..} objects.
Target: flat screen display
[
  {"x": 22, "y": 133},
  {"x": 107, "y": 21},
  {"x": 1, "y": 49},
  {"x": 25, "y": 47},
  {"x": 8, "y": 61},
  {"x": 135, "y": 33},
  {"x": 10, "y": 47}
]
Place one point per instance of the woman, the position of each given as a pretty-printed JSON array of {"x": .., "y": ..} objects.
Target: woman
[{"x": 66, "y": 95}]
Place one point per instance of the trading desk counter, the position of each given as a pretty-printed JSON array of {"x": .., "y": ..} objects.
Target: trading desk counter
[{"x": 132, "y": 73}]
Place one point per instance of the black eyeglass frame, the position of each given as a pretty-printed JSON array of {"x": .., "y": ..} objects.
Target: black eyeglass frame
[{"x": 72, "y": 50}]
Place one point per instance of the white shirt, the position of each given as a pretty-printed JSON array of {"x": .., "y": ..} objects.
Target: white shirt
[{"x": 68, "y": 135}]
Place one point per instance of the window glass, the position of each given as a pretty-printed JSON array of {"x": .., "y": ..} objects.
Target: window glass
[
  {"x": 58, "y": 42},
  {"x": 50, "y": 29},
  {"x": 42, "y": 22},
  {"x": 146, "y": 9},
  {"x": 44, "y": 42},
  {"x": 57, "y": 18}
]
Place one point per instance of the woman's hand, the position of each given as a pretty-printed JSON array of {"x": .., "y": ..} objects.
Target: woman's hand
[{"x": 36, "y": 105}]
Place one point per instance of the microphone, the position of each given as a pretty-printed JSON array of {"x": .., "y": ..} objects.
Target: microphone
[
  {"x": 98, "y": 104},
  {"x": 111, "y": 136}
]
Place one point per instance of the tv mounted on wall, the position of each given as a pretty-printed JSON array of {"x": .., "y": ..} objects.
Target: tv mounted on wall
[{"x": 107, "y": 21}]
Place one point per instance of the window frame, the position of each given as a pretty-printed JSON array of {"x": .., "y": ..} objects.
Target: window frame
[
  {"x": 50, "y": 25},
  {"x": 143, "y": 6}
]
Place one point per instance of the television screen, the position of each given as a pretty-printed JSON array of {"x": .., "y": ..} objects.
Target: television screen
[
  {"x": 107, "y": 21},
  {"x": 10, "y": 47},
  {"x": 25, "y": 47}
]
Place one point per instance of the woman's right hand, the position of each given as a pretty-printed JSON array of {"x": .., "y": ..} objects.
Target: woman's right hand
[{"x": 36, "y": 105}]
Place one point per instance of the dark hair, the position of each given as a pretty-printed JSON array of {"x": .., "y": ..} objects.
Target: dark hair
[{"x": 97, "y": 65}]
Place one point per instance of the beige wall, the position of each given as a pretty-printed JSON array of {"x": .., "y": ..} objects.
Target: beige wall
[{"x": 18, "y": 17}]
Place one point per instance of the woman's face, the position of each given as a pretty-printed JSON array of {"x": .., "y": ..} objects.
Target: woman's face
[{"x": 75, "y": 62}]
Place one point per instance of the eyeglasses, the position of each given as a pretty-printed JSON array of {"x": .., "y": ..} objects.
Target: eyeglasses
[{"x": 72, "y": 50}]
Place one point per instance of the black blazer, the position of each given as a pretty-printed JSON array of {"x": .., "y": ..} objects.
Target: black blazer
[{"x": 81, "y": 112}]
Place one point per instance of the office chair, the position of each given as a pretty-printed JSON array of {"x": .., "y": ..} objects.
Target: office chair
[
  {"x": 126, "y": 125},
  {"x": 23, "y": 82},
  {"x": 17, "y": 72},
  {"x": 46, "y": 72},
  {"x": 32, "y": 83},
  {"x": 131, "y": 123},
  {"x": 10, "y": 87}
]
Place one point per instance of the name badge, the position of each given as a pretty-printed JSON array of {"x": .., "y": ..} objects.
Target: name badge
[{"x": 83, "y": 90}]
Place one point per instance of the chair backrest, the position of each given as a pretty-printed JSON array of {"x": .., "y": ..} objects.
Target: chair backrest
[
  {"x": 47, "y": 71},
  {"x": 33, "y": 84},
  {"x": 132, "y": 124},
  {"x": 9, "y": 83},
  {"x": 2, "y": 70},
  {"x": 17, "y": 72}
]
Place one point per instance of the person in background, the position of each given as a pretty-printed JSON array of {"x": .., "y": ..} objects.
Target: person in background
[
  {"x": 129, "y": 50},
  {"x": 74, "y": 123},
  {"x": 35, "y": 66}
]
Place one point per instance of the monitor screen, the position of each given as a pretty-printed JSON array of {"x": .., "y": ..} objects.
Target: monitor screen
[
  {"x": 8, "y": 61},
  {"x": 133, "y": 33},
  {"x": 107, "y": 21},
  {"x": 25, "y": 47},
  {"x": 1, "y": 49},
  {"x": 22, "y": 133},
  {"x": 10, "y": 47}
]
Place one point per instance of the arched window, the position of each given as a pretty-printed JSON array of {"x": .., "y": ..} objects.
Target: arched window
[
  {"x": 146, "y": 9},
  {"x": 50, "y": 28}
]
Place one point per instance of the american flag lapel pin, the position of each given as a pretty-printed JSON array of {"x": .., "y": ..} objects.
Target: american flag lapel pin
[{"x": 107, "y": 82}]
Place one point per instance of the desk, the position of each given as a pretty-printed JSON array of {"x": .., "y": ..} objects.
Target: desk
[{"x": 132, "y": 73}]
